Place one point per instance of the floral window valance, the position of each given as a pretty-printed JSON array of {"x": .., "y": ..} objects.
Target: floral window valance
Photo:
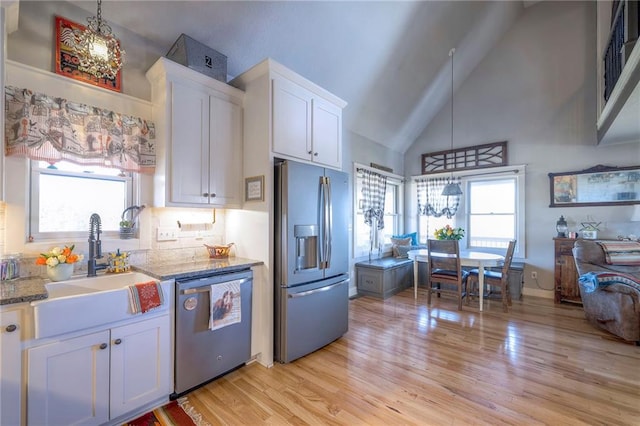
[{"x": 47, "y": 128}]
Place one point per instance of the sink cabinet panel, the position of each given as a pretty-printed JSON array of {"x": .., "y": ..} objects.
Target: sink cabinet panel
[
  {"x": 140, "y": 364},
  {"x": 100, "y": 376},
  {"x": 69, "y": 382}
]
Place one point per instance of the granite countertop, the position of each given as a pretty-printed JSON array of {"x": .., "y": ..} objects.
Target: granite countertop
[
  {"x": 22, "y": 290},
  {"x": 31, "y": 289},
  {"x": 195, "y": 268}
]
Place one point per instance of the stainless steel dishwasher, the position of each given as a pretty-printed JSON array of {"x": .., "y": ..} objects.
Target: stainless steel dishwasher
[{"x": 202, "y": 354}]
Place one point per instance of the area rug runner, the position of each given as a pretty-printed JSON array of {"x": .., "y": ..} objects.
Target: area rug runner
[{"x": 175, "y": 413}]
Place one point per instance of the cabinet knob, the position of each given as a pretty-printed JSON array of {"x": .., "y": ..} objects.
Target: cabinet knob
[
  {"x": 103, "y": 346},
  {"x": 205, "y": 194},
  {"x": 212, "y": 195},
  {"x": 11, "y": 328},
  {"x": 315, "y": 154},
  {"x": 309, "y": 152},
  {"x": 117, "y": 341}
]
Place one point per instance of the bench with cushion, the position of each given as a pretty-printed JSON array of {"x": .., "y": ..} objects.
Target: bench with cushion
[{"x": 384, "y": 277}]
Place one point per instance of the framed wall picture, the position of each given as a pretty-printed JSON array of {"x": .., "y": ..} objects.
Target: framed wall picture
[
  {"x": 254, "y": 188},
  {"x": 597, "y": 186},
  {"x": 67, "y": 63}
]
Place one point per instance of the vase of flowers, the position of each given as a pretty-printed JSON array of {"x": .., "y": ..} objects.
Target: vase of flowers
[
  {"x": 59, "y": 262},
  {"x": 449, "y": 233}
]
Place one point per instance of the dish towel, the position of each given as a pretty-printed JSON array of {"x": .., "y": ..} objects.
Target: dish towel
[
  {"x": 145, "y": 296},
  {"x": 225, "y": 304}
]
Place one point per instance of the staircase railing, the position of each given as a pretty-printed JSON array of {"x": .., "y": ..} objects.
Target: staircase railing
[{"x": 622, "y": 38}]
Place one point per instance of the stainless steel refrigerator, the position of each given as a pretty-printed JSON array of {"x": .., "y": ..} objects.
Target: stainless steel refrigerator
[{"x": 311, "y": 258}]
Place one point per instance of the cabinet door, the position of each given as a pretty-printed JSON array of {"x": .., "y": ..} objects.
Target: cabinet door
[
  {"x": 189, "y": 155},
  {"x": 291, "y": 119},
  {"x": 69, "y": 382},
  {"x": 326, "y": 136},
  {"x": 225, "y": 171},
  {"x": 10, "y": 368},
  {"x": 140, "y": 364}
]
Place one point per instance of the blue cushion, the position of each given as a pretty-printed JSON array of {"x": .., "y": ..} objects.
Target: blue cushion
[
  {"x": 487, "y": 274},
  {"x": 412, "y": 235}
]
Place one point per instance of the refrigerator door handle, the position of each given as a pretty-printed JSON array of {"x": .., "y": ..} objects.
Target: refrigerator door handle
[
  {"x": 328, "y": 222},
  {"x": 317, "y": 290},
  {"x": 324, "y": 223}
]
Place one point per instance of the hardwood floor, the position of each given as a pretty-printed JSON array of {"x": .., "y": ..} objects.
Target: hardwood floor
[{"x": 404, "y": 363}]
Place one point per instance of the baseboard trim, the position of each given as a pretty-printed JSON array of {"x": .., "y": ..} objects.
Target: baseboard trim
[{"x": 537, "y": 292}]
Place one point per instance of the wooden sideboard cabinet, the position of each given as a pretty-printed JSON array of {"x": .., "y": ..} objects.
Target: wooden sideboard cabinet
[{"x": 566, "y": 274}]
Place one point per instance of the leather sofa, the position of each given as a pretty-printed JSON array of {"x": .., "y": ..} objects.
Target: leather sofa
[{"x": 610, "y": 289}]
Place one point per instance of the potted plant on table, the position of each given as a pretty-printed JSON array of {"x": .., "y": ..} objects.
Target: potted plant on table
[
  {"x": 59, "y": 262},
  {"x": 449, "y": 233}
]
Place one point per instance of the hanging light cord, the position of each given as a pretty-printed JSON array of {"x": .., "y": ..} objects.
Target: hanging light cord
[{"x": 451, "y": 52}]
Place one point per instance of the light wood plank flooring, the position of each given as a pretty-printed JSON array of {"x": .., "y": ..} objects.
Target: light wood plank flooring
[{"x": 405, "y": 363}]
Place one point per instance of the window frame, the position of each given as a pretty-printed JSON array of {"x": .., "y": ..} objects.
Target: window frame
[
  {"x": 396, "y": 181},
  {"x": 130, "y": 179}
]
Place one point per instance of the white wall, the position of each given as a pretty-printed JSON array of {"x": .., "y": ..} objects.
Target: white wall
[
  {"x": 537, "y": 90},
  {"x": 33, "y": 42}
]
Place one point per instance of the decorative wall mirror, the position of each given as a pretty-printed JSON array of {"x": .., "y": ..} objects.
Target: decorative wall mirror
[{"x": 597, "y": 186}]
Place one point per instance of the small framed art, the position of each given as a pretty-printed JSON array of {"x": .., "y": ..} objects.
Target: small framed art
[{"x": 254, "y": 188}]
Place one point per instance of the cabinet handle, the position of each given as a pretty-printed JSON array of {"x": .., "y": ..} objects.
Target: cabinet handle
[
  {"x": 103, "y": 346},
  {"x": 309, "y": 152},
  {"x": 117, "y": 341},
  {"x": 213, "y": 195},
  {"x": 205, "y": 194},
  {"x": 11, "y": 328},
  {"x": 315, "y": 154}
]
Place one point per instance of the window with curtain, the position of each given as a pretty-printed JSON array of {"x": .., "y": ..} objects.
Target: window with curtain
[
  {"x": 490, "y": 210},
  {"x": 367, "y": 237}
]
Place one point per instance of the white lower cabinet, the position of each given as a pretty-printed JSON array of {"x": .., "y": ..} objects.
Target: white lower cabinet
[
  {"x": 10, "y": 367},
  {"x": 97, "y": 377}
]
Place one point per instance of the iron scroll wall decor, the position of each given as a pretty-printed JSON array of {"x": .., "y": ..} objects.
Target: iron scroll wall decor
[{"x": 597, "y": 186}]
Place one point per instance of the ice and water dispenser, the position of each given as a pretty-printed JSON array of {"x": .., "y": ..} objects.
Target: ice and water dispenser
[{"x": 306, "y": 246}]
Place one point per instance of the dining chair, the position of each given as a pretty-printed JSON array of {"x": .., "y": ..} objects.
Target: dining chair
[
  {"x": 496, "y": 278},
  {"x": 445, "y": 268}
]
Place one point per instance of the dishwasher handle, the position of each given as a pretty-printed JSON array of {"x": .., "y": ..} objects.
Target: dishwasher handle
[{"x": 207, "y": 288}]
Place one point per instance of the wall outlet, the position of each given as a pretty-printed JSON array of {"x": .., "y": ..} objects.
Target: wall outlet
[
  {"x": 167, "y": 234},
  {"x": 534, "y": 275}
]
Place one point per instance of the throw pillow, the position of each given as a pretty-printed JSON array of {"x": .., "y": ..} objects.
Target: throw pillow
[
  {"x": 397, "y": 242},
  {"x": 412, "y": 235}
]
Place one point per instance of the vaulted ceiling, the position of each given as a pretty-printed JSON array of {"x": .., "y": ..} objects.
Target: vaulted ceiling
[{"x": 388, "y": 59}]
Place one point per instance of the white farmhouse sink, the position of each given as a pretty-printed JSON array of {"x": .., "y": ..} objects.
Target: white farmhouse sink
[{"x": 81, "y": 303}]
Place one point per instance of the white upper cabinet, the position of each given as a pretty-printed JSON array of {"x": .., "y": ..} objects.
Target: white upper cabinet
[
  {"x": 291, "y": 119},
  {"x": 326, "y": 133},
  {"x": 199, "y": 133},
  {"x": 302, "y": 120}
]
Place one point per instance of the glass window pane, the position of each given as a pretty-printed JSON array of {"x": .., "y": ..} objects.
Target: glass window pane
[
  {"x": 492, "y": 196},
  {"x": 61, "y": 212},
  {"x": 492, "y": 226}
]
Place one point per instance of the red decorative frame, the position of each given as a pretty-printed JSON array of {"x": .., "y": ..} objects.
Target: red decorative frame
[{"x": 67, "y": 64}]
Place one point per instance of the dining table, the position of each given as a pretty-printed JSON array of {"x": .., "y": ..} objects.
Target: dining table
[{"x": 469, "y": 258}]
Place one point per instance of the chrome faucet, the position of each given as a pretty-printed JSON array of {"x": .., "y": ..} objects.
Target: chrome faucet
[{"x": 95, "y": 245}]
